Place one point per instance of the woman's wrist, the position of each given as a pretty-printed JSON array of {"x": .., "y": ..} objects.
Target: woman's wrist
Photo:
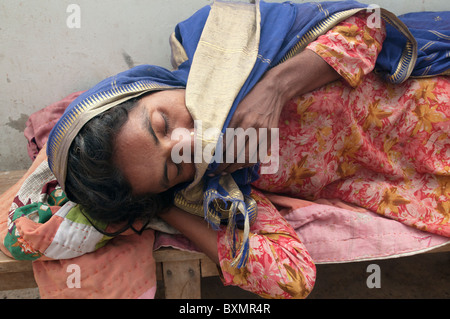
[
  {"x": 195, "y": 229},
  {"x": 301, "y": 74},
  {"x": 285, "y": 81}
]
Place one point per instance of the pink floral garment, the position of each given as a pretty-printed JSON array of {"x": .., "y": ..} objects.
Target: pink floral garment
[
  {"x": 279, "y": 265},
  {"x": 380, "y": 146}
]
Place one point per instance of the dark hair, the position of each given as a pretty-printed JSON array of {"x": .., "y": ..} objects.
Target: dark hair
[{"x": 95, "y": 183}]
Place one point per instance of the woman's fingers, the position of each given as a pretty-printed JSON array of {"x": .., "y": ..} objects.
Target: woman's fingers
[{"x": 244, "y": 148}]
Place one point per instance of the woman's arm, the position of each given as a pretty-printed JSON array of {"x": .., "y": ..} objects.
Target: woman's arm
[
  {"x": 302, "y": 73},
  {"x": 278, "y": 265},
  {"x": 348, "y": 51},
  {"x": 196, "y": 229},
  {"x": 262, "y": 107}
]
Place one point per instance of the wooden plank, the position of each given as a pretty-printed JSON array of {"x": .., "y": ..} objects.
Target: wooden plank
[
  {"x": 159, "y": 274},
  {"x": 17, "y": 280},
  {"x": 442, "y": 249},
  {"x": 9, "y": 178},
  {"x": 182, "y": 279},
  {"x": 208, "y": 268},
  {"x": 8, "y": 264},
  {"x": 171, "y": 254}
]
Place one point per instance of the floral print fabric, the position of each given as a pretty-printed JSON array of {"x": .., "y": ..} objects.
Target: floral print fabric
[
  {"x": 379, "y": 146},
  {"x": 279, "y": 265}
]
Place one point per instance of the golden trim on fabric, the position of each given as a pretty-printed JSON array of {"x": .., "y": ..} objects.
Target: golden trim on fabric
[
  {"x": 407, "y": 59},
  {"x": 322, "y": 27}
]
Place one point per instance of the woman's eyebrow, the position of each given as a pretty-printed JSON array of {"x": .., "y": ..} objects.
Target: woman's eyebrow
[{"x": 148, "y": 125}]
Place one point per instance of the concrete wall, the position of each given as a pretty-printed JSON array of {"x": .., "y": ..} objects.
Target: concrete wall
[{"x": 48, "y": 51}]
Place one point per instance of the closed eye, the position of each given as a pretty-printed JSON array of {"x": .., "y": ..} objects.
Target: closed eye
[
  {"x": 166, "y": 123},
  {"x": 147, "y": 123}
]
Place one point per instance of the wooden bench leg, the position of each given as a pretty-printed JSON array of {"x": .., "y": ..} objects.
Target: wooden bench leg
[{"x": 182, "y": 279}]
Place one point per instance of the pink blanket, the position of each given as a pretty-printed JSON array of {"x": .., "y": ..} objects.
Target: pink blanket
[
  {"x": 40, "y": 124},
  {"x": 334, "y": 232}
]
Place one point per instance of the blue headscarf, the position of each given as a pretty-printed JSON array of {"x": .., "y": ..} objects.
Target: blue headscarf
[{"x": 101, "y": 97}]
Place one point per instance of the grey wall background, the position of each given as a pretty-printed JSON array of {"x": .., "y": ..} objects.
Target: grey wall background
[{"x": 43, "y": 60}]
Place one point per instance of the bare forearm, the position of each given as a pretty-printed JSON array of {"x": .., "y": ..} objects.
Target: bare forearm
[
  {"x": 262, "y": 106},
  {"x": 195, "y": 229},
  {"x": 302, "y": 73}
]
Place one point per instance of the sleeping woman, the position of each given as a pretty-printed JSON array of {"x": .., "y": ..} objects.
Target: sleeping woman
[{"x": 346, "y": 130}]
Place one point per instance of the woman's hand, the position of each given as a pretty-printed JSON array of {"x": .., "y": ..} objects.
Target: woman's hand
[{"x": 262, "y": 107}]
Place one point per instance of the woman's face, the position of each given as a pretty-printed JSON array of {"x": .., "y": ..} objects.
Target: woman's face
[{"x": 144, "y": 144}]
